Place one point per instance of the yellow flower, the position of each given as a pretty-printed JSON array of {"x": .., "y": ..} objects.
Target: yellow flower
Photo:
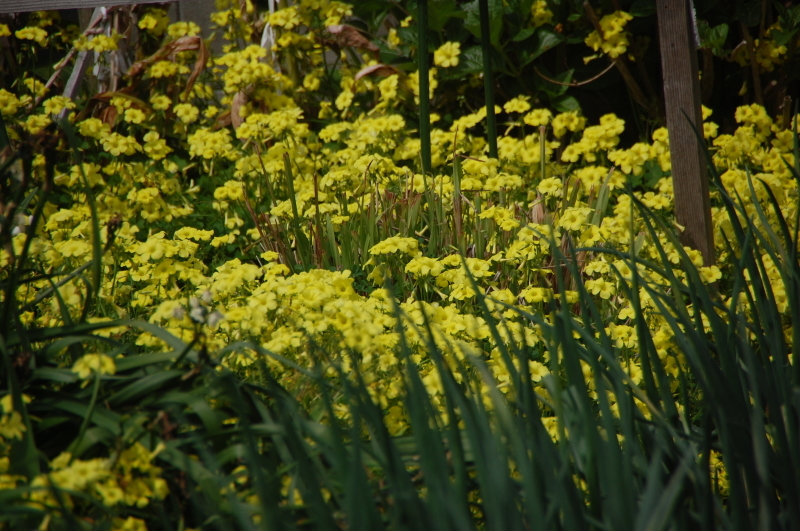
[
  {"x": 4, "y": 31},
  {"x": 36, "y": 86},
  {"x": 551, "y": 186},
  {"x": 518, "y": 104},
  {"x": 182, "y": 29},
  {"x": 541, "y": 14},
  {"x": 103, "y": 43},
  {"x": 391, "y": 245},
  {"x": 36, "y": 122},
  {"x": 538, "y": 117},
  {"x": 9, "y": 103},
  {"x": 129, "y": 524},
  {"x": 710, "y": 274},
  {"x": 93, "y": 128},
  {"x": 424, "y": 266},
  {"x": 155, "y": 147},
  {"x": 160, "y": 102},
  {"x": 121, "y": 103},
  {"x": 286, "y": 18},
  {"x": 535, "y": 294},
  {"x": 187, "y": 112},
  {"x": 148, "y": 22},
  {"x": 56, "y": 104},
  {"x": 7, "y": 402},
  {"x": 134, "y": 116},
  {"x": 91, "y": 364},
  {"x": 11, "y": 426},
  {"x": 447, "y": 54},
  {"x": 37, "y": 35},
  {"x": 612, "y": 38},
  {"x": 574, "y": 218},
  {"x": 600, "y": 287},
  {"x": 117, "y": 144},
  {"x": 163, "y": 69},
  {"x": 154, "y": 21}
]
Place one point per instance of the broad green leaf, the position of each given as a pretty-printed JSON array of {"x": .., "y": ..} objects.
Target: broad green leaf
[
  {"x": 553, "y": 90},
  {"x": 713, "y": 38},
  {"x": 473, "y": 20},
  {"x": 545, "y": 40},
  {"x": 523, "y": 34},
  {"x": 565, "y": 103},
  {"x": 440, "y": 11}
]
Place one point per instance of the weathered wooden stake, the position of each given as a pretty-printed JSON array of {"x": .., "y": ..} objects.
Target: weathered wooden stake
[{"x": 682, "y": 98}]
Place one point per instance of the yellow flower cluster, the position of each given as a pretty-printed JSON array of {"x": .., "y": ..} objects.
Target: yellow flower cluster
[
  {"x": 767, "y": 52},
  {"x": 612, "y": 39},
  {"x": 541, "y": 13},
  {"x": 127, "y": 479}
]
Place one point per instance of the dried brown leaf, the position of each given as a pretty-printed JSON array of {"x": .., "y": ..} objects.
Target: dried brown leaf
[
  {"x": 183, "y": 44},
  {"x": 109, "y": 115},
  {"x": 376, "y": 70},
  {"x": 350, "y": 36},
  {"x": 224, "y": 119},
  {"x": 239, "y": 101},
  {"x": 199, "y": 65}
]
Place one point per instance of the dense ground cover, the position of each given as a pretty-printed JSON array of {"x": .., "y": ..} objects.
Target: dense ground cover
[{"x": 232, "y": 298}]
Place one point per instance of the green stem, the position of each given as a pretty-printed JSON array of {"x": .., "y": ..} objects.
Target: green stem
[
  {"x": 85, "y": 424},
  {"x": 488, "y": 80},
  {"x": 303, "y": 245},
  {"x": 480, "y": 249},
  {"x": 424, "y": 91}
]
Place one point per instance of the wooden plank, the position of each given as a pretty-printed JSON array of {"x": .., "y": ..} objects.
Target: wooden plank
[
  {"x": 21, "y": 6},
  {"x": 682, "y": 98}
]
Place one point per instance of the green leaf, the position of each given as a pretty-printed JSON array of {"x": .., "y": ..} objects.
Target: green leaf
[
  {"x": 545, "y": 40},
  {"x": 554, "y": 90},
  {"x": 55, "y": 375},
  {"x": 91, "y": 437},
  {"x": 473, "y": 20},
  {"x": 143, "y": 386},
  {"x": 440, "y": 11},
  {"x": 100, "y": 416},
  {"x": 520, "y": 7},
  {"x": 141, "y": 360},
  {"x": 565, "y": 103},
  {"x": 470, "y": 61},
  {"x": 713, "y": 38},
  {"x": 408, "y": 35},
  {"x": 783, "y": 37},
  {"x": 523, "y": 34}
]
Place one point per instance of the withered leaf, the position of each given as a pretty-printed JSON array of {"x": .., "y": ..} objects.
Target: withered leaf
[
  {"x": 239, "y": 101},
  {"x": 350, "y": 36},
  {"x": 376, "y": 70},
  {"x": 182, "y": 44}
]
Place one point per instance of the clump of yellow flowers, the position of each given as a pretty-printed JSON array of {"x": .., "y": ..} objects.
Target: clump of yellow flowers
[{"x": 612, "y": 39}]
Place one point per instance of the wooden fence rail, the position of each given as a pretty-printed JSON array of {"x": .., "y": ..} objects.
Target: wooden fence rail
[{"x": 21, "y": 6}]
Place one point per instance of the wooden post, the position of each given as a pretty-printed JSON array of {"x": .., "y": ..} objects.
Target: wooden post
[{"x": 682, "y": 98}]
